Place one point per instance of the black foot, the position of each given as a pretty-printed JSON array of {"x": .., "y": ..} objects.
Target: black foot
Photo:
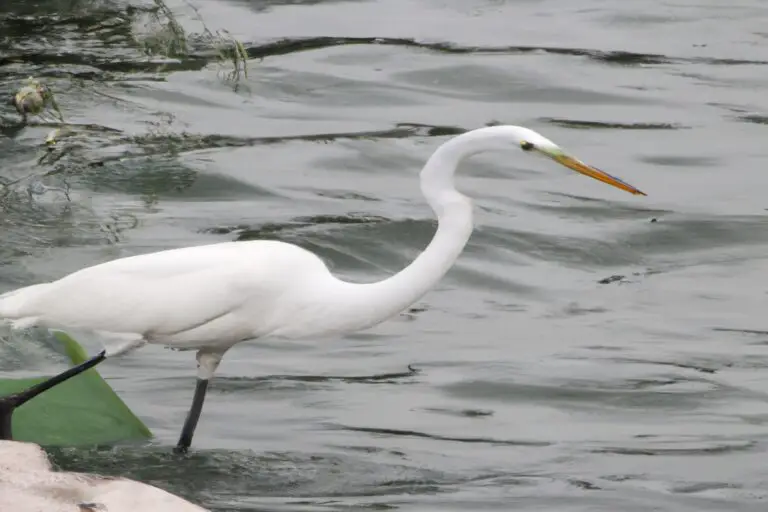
[{"x": 180, "y": 449}]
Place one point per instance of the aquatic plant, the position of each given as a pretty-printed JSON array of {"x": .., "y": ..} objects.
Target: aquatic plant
[
  {"x": 37, "y": 99},
  {"x": 84, "y": 410},
  {"x": 167, "y": 38}
]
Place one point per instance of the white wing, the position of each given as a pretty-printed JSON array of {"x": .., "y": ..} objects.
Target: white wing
[{"x": 225, "y": 290}]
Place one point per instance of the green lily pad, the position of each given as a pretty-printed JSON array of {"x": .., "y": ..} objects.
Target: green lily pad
[{"x": 81, "y": 411}]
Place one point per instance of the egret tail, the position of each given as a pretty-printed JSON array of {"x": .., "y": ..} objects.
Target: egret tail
[
  {"x": 13, "y": 304},
  {"x": 9, "y": 404}
]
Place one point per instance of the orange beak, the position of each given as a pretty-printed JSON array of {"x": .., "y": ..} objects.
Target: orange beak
[{"x": 592, "y": 172}]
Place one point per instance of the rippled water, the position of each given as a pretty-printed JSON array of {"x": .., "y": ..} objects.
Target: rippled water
[{"x": 590, "y": 350}]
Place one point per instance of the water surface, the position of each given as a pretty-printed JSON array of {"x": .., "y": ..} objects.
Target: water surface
[{"x": 590, "y": 350}]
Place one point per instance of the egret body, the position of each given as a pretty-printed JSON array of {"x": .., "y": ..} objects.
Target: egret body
[{"x": 211, "y": 297}]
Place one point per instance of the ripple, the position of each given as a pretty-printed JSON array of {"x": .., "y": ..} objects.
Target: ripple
[
  {"x": 242, "y": 383},
  {"x": 681, "y": 447},
  {"x": 536, "y": 387},
  {"x": 575, "y": 251},
  {"x": 463, "y": 413},
  {"x": 754, "y": 118},
  {"x": 623, "y": 58},
  {"x": 670, "y": 392},
  {"x": 683, "y": 161},
  {"x": 213, "y": 476},
  {"x": 436, "y": 437},
  {"x": 688, "y": 233},
  {"x": 573, "y": 123}
]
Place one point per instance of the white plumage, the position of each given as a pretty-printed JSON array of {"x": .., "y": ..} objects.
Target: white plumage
[
  {"x": 212, "y": 297},
  {"x": 209, "y": 295}
]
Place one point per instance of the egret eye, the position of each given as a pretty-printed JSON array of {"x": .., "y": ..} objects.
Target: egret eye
[{"x": 527, "y": 146}]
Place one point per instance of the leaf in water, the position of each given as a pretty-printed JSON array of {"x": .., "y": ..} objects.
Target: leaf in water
[{"x": 81, "y": 411}]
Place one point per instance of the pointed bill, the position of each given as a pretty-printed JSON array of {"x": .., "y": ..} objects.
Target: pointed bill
[{"x": 587, "y": 170}]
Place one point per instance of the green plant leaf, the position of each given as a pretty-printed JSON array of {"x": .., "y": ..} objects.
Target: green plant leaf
[{"x": 81, "y": 411}]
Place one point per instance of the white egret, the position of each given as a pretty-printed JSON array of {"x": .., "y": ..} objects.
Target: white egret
[
  {"x": 212, "y": 297},
  {"x": 28, "y": 482}
]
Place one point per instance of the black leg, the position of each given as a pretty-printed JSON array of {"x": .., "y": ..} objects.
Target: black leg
[
  {"x": 185, "y": 440},
  {"x": 8, "y": 404}
]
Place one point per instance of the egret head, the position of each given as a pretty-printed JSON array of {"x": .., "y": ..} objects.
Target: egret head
[{"x": 533, "y": 142}]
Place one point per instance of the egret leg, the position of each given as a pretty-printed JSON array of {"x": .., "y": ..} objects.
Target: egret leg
[
  {"x": 188, "y": 430},
  {"x": 8, "y": 404},
  {"x": 207, "y": 363}
]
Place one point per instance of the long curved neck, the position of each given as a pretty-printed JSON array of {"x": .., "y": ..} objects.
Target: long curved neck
[{"x": 370, "y": 304}]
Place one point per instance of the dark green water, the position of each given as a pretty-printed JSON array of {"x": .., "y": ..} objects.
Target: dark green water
[{"x": 579, "y": 357}]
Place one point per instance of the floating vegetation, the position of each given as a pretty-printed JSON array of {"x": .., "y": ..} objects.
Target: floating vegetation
[
  {"x": 170, "y": 39},
  {"x": 150, "y": 40},
  {"x": 37, "y": 99},
  {"x": 236, "y": 53},
  {"x": 166, "y": 37},
  {"x": 159, "y": 35}
]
